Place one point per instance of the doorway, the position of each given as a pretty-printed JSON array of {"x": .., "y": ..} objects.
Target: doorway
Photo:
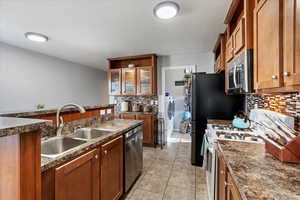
[{"x": 172, "y": 97}]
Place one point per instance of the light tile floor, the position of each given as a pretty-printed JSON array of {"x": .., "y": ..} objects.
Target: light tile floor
[{"x": 169, "y": 175}]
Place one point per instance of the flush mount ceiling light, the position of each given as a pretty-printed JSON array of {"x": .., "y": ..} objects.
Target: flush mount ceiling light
[
  {"x": 166, "y": 10},
  {"x": 36, "y": 37}
]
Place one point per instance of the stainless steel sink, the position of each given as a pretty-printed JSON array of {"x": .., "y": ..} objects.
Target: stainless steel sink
[
  {"x": 56, "y": 146},
  {"x": 89, "y": 133},
  {"x": 108, "y": 129}
]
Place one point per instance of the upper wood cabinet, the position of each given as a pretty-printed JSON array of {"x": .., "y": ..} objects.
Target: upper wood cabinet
[
  {"x": 133, "y": 75},
  {"x": 229, "y": 49},
  {"x": 219, "y": 53},
  {"x": 112, "y": 169},
  {"x": 239, "y": 22},
  {"x": 291, "y": 50},
  {"x": 115, "y": 84},
  {"x": 239, "y": 37},
  {"x": 145, "y": 81},
  {"x": 267, "y": 44},
  {"x": 128, "y": 81},
  {"x": 79, "y": 178}
]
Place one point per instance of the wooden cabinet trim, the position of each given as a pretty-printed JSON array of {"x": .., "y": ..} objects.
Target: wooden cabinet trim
[
  {"x": 239, "y": 36},
  {"x": 120, "y": 81}
]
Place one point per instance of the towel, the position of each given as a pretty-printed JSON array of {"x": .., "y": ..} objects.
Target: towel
[{"x": 203, "y": 147}]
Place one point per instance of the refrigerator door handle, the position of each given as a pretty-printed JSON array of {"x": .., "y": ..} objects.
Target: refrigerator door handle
[{"x": 234, "y": 76}]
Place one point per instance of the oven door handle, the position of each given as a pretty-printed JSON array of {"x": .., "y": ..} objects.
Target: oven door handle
[{"x": 234, "y": 76}]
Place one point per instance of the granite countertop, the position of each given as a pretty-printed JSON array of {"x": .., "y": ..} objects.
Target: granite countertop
[
  {"x": 31, "y": 113},
  {"x": 258, "y": 175},
  {"x": 122, "y": 125},
  {"x": 13, "y": 126}
]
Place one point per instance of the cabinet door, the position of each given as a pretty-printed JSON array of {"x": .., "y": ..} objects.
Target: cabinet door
[
  {"x": 268, "y": 44},
  {"x": 112, "y": 169},
  {"x": 291, "y": 41},
  {"x": 221, "y": 178},
  {"x": 229, "y": 49},
  {"x": 128, "y": 81},
  {"x": 239, "y": 37},
  {"x": 128, "y": 116},
  {"x": 114, "y": 81},
  {"x": 148, "y": 136},
  {"x": 79, "y": 178},
  {"x": 232, "y": 191},
  {"x": 145, "y": 81}
]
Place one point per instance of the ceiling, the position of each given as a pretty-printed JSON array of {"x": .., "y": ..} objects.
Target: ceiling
[{"x": 89, "y": 31}]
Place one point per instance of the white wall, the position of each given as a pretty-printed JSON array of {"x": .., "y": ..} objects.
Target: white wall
[
  {"x": 28, "y": 78},
  {"x": 203, "y": 61}
]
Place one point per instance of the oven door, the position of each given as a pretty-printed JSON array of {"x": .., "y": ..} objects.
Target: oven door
[{"x": 209, "y": 166}]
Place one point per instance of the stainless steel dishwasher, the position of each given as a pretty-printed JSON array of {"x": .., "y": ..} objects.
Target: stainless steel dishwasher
[{"x": 133, "y": 156}]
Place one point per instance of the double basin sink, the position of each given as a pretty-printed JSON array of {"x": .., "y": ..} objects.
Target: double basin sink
[{"x": 59, "y": 145}]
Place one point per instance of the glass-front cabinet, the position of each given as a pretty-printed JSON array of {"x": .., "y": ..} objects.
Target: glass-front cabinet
[
  {"x": 114, "y": 76},
  {"x": 145, "y": 81},
  {"x": 128, "y": 81}
]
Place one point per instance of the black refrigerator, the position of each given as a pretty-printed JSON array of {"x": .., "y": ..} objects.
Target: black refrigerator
[{"x": 209, "y": 101}]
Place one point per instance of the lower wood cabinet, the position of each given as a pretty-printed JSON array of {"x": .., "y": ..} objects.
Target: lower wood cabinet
[
  {"x": 232, "y": 191},
  {"x": 148, "y": 132},
  {"x": 112, "y": 166},
  {"x": 222, "y": 173},
  {"x": 150, "y": 126},
  {"x": 227, "y": 189},
  {"x": 79, "y": 178},
  {"x": 95, "y": 175}
]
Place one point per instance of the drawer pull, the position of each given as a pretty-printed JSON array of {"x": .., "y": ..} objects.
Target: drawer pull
[
  {"x": 274, "y": 77},
  {"x": 286, "y": 73}
]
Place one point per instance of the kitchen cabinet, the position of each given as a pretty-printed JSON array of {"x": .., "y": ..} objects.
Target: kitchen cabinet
[
  {"x": 79, "y": 178},
  {"x": 219, "y": 53},
  {"x": 267, "y": 44},
  {"x": 129, "y": 81},
  {"x": 229, "y": 49},
  {"x": 149, "y": 128},
  {"x": 128, "y": 116},
  {"x": 291, "y": 50},
  {"x": 239, "y": 37},
  {"x": 232, "y": 191},
  {"x": 222, "y": 174},
  {"x": 114, "y": 77},
  {"x": 112, "y": 169},
  {"x": 148, "y": 136},
  {"x": 145, "y": 83},
  {"x": 138, "y": 75}
]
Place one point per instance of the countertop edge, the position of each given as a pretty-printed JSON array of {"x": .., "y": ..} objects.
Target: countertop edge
[
  {"x": 21, "y": 126},
  {"x": 31, "y": 113}
]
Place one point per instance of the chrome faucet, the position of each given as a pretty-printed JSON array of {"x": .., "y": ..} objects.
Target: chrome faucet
[{"x": 59, "y": 119}]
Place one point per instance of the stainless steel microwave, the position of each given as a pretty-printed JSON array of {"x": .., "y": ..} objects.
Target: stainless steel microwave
[{"x": 239, "y": 73}]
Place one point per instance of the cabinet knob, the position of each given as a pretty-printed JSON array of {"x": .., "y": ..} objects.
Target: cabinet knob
[
  {"x": 274, "y": 77},
  {"x": 96, "y": 156},
  {"x": 226, "y": 184},
  {"x": 222, "y": 172},
  {"x": 105, "y": 152},
  {"x": 286, "y": 73}
]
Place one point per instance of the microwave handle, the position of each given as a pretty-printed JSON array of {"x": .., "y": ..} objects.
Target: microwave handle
[{"x": 234, "y": 76}]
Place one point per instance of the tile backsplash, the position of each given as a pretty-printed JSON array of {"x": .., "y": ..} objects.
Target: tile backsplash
[{"x": 288, "y": 104}]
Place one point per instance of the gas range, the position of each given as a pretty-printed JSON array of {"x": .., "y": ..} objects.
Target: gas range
[{"x": 228, "y": 132}]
